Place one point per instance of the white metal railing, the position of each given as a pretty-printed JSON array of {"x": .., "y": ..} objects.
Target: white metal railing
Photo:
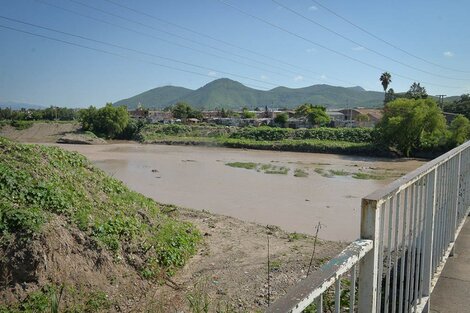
[
  {"x": 413, "y": 224},
  {"x": 332, "y": 273}
]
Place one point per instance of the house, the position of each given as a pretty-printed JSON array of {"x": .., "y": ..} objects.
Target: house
[
  {"x": 159, "y": 116},
  {"x": 362, "y": 117}
]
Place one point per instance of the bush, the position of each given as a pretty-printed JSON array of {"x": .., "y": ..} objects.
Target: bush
[
  {"x": 20, "y": 125},
  {"x": 322, "y": 133}
]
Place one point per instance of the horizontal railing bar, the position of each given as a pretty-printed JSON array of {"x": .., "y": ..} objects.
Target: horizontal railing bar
[
  {"x": 305, "y": 292},
  {"x": 410, "y": 178}
]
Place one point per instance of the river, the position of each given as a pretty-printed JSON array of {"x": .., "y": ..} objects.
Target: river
[{"x": 198, "y": 178}]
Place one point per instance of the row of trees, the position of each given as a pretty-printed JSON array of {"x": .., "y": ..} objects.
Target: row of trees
[{"x": 51, "y": 114}]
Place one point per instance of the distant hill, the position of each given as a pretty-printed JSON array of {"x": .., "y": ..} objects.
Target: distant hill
[
  {"x": 18, "y": 105},
  {"x": 158, "y": 97},
  {"x": 226, "y": 93}
]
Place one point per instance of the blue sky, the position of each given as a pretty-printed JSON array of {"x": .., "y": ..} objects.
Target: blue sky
[{"x": 190, "y": 43}]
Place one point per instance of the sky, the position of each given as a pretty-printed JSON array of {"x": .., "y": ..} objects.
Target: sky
[{"x": 77, "y": 53}]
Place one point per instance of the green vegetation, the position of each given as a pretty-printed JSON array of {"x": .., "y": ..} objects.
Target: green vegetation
[
  {"x": 20, "y": 124},
  {"x": 362, "y": 175},
  {"x": 265, "y": 168},
  {"x": 39, "y": 183},
  {"x": 48, "y": 114},
  {"x": 339, "y": 173},
  {"x": 460, "y": 130},
  {"x": 322, "y": 172},
  {"x": 265, "y": 133},
  {"x": 411, "y": 125},
  {"x": 315, "y": 114},
  {"x": 459, "y": 106},
  {"x": 245, "y": 165},
  {"x": 298, "y": 172},
  {"x": 247, "y": 114},
  {"x": 109, "y": 121},
  {"x": 281, "y": 120},
  {"x": 48, "y": 299},
  {"x": 184, "y": 111}
]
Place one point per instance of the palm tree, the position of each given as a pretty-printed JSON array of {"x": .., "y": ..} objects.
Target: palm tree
[{"x": 386, "y": 79}]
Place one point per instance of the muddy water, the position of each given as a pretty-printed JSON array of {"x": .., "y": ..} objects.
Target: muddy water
[{"x": 198, "y": 177}]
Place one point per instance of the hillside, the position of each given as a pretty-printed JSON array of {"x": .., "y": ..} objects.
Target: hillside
[
  {"x": 226, "y": 93},
  {"x": 158, "y": 97},
  {"x": 63, "y": 221}
]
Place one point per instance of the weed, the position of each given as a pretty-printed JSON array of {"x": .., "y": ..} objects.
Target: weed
[
  {"x": 339, "y": 172},
  {"x": 245, "y": 165},
  {"x": 361, "y": 175},
  {"x": 298, "y": 172}
]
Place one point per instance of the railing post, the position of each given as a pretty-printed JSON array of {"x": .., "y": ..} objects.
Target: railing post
[
  {"x": 429, "y": 237},
  {"x": 368, "y": 266}
]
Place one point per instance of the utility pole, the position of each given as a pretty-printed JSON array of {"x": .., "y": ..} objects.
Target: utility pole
[{"x": 441, "y": 100}]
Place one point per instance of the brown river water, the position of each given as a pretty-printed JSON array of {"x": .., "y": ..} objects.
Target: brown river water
[{"x": 198, "y": 178}]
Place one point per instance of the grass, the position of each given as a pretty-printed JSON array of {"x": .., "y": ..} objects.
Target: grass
[
  {"x": 49, "y": 299},
  {"x": 322, "y": 172},
  {"x": 245, "y": 165},
  {"x": 38, "y": 183},
  {"x": 339, "y": 172},
  {"x": 265, "y": 168},
  {"x": 298, "y": 172},
  {"x": 362, "y": 175}
]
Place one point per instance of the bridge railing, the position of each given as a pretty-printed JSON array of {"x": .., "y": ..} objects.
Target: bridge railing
[{"x": 413, "y": 224}]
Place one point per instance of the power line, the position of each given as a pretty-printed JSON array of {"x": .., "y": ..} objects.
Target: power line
[
  {"x": 135, "y": 50},
  {"x": 209, "y": 37},
  {"x": 111, "y": 53},
  {"x": 385, "y": 41},
  {"x": 323, "y": 46},
  {"x": 172, "y": 42},
  {"x": 364, "y": 46}
]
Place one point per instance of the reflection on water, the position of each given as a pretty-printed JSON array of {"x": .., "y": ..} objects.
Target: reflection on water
[{"x": 198, "y": 177}]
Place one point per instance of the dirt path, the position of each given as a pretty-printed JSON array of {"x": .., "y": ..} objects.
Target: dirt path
[
  {"x": 39, "y": 132},
  {"x": 231, "y": 266}
]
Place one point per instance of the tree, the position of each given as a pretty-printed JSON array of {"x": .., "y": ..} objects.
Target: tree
[
  {"x": 316, "y": 114},
  {"x": 281, "y": 119},
  {"x": 459, "y": 106},
  {"x": 416, "y": 91},
  {"x": 248, "y": 114},
  {"x": 109, "y": 121},
  {"x": 362, "y": 119},
  {"x": 410, "y": 125},
  {"x": 181, "y": 110},
  {"x": 385, "y": 79},
  {"x": 390, "y": 95},
  {"x": 459, "y": 130},
  {"x": 318, "y": 117}
]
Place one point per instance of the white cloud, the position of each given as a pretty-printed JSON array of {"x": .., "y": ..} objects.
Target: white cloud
[
  {"x": 323, "y": 77},
  {"x": 312, "y": 8},
  {"x": 358, "y": 48},
  {"x": 311, "y": 50},
  {"x": 298, "y": 78},
  {"x": 448, "y": 54},
  {"x": 212, "y": 73},
  {"x": 264, "y": 77}
]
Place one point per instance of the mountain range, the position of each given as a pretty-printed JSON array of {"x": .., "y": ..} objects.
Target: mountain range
[
  {"x": 18, "y": 105},
  {"x": 230, "y": 94}
]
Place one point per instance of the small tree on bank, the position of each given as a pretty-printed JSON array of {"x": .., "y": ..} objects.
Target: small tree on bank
[{"x": 109, "y": 121}]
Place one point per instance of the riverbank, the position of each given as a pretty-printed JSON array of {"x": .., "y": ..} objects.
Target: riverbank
[
  {"x": 79, "y": 261},
  {"x": 350, "y": 141}
]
